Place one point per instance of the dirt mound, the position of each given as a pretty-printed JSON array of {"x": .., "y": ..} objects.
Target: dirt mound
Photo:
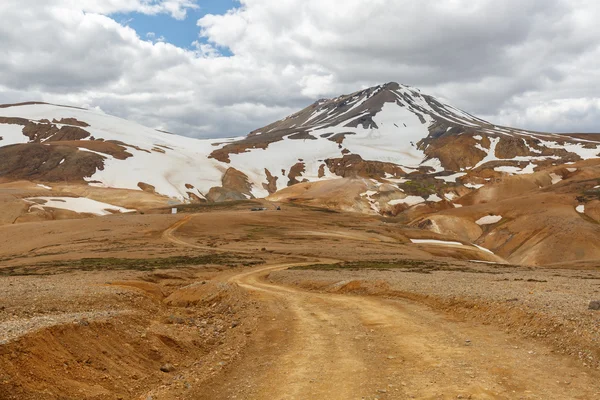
[
  {"x": 95, "y": 360},
  {"x": 340, "y": 194},
  {"x": 207, "y": 293},
  {"x": 451, "y": 226},
  {"x": 379, "y": 287},
  {"x": 131, "y": 353},
  {"x": 151, "y": 289}
]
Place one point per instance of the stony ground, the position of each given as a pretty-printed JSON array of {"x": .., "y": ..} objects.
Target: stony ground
[
  {"x": 233, "y": 304},
  {"x": 553, "y": 304}
]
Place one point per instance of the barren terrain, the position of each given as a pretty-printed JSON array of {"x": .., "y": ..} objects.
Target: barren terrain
[{"x": 220, "y": 302}]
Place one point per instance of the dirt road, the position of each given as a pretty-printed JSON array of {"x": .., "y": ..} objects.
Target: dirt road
[{"x": 329, "y": 346}]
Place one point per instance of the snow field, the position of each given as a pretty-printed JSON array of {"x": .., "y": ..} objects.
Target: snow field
[{"x": 77, "y": 204}]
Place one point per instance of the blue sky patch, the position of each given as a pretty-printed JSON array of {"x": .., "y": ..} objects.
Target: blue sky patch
[{"x": 168, "y": 29}]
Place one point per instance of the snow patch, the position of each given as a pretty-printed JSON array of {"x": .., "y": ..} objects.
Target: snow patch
[
  {"x": 489, "y": 219},
  {"x": 576, "y": 148},
  {"x": 437, "y": 242},
  {"x": 369, "y": 193},
  {"x": 12, "y": 134},
  {"x": 484, "y": 249},
  {"x": 529, "y": 169},
  {"x": 450, "y": 196},
  {"x": 408, "y": 200},
  {"x": 373, "y": 203},
  {"x": 451, "y": 178},
  {"x": 555, "y": 178},
  {"x": 491, "y": 153},
  {"x": 78, "y": 205}
]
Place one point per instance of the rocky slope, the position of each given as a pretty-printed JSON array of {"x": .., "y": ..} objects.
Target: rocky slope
[
  {"x": 388, "y": 133},
  {"x": 388, "y": 150}
]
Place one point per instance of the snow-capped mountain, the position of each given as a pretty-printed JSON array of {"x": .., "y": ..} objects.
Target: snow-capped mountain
[
  {"x": 399, "y": 125},
  {"x": 386, "y": 134},
  {"x": 526, "y": 197}
]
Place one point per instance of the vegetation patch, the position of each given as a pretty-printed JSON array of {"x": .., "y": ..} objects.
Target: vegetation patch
[
  {"x": 408, "y": 265},
  {"x": 131, "y": 264},
  {"x": 205, "y": 207},
  {"x": 423, "y": 188},
  {"x": 307, "y": 207}
]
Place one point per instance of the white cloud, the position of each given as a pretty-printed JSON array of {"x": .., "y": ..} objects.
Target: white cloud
[
  {"x": 530, "y": 63},
  {"x": 176, "y": 8}
]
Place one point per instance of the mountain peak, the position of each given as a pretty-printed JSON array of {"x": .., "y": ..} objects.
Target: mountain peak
[{"x": 360, "y": 107}]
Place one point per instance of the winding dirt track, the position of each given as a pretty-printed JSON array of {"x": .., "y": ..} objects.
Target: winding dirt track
[
  {"x": 331, "y": 346},
  {"x": 169, "y": 235}
]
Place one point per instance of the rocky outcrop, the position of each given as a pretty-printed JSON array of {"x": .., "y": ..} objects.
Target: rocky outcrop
[
  {"x": 455, "y": 152},
  {"x": 224, "y": 152},
  {"x": 51, "y": 133},
  {"x": 235, "y": 186},
  {"x": 146, "y": 187},
  {"x": 109, "y": 148},
  {"x": 14, "y": 121},
  {"x": 50, "y": 163},
  {"x": 194, "y": 198},
  {"x": 321, "y": 170},
  {"x": 71, "y": 121},
  {"x": 271, "y": 185},
  {"x": 295, "y": 172},
  {"x": 511, "y": 147},
  {"x": 353, "y": 166}
]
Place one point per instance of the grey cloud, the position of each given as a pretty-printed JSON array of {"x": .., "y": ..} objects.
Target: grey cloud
[{"x": 530, "y": 63}]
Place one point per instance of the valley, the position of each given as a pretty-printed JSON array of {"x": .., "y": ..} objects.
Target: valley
[
  {"x": 376, "y": 245},
  {"x": 233, "y": 303}
]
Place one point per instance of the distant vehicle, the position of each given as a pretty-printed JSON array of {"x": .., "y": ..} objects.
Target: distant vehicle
[
  {"x": 259, "y": 209},
  {"x": 278, "y": 208}
]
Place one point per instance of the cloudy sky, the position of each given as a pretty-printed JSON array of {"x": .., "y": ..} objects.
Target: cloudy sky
[{"x": 215, "y": 68}]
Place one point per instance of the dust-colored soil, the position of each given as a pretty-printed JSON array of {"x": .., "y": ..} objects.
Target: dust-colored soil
[
  {"x": 342, "y": 347},
  {"x": 227, "y": 303},
  {"x": 546, "y": 304}
]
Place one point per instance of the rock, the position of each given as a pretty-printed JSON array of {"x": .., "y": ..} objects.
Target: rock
[
  {"x": 167, "y": 368},
  {"x": 595, "y": 305}
]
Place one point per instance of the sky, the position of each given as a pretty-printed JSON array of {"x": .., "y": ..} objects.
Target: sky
[{"x": 222, "y": 68}]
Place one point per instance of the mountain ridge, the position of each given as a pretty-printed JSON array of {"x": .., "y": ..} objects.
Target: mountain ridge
[
  {"x": 389, "y": 151},
  {"x": 394, "y": 128}
]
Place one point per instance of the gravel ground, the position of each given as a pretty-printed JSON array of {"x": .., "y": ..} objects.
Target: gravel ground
[
  {"x": 29, "y": 303},
  {"x": 15, "y": 328},
  {"x": 549, "y": 304}
]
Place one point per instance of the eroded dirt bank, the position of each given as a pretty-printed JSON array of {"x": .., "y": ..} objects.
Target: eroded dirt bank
[{"x": 138, "y": 338}]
